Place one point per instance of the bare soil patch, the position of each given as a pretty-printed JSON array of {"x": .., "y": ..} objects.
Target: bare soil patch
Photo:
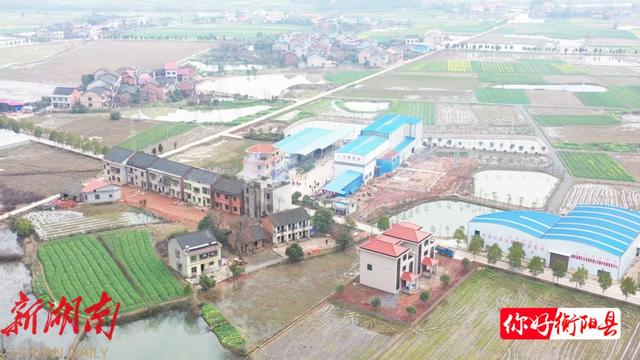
[
  {"x": 553, "y": 98},
  {"x": 594, "y": 134}
]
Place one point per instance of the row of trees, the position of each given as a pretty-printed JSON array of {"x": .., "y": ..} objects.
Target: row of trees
[
  {"x": 515, "y": 255},
  {"x": 60, "y": 137}
]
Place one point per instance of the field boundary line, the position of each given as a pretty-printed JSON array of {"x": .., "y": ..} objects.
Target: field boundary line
[{"x": 629, "y": 344}]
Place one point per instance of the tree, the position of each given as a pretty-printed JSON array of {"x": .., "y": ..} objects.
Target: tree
[
  {"x": 294, "y": 252},
  {"x": 424, "y": 296},
  {"x": 209, "y": 222},
  {"x": 308, "y": 201},
  {"x": 580, "y": 276},
  {"x": 466, "y": 264},
  {"x": 38, "y": 132},
  {"x": 86, "y": 79},
  {"x": 476, "y": 244},
  {"x": 559, "y": 269},
  {"x": 322, "y": 220},
  {"x": 207, "y": 282},
  {"x": 459, "y": 235},
  {"x": 628, "y": 286},
  {"x": 22, "y": 227},
  {"x": 344, "y": 240},
  {"x": 604, "y": 279},
  {"x": 339, "y": 288},
  {"x": 383, "y": 223},
  {"x": 445, "y": 279},
  {"x": 411, "y": 310},
  {"x": 494, "y": 254},
  {"x": 515, "y": 254},
  {"x": 295, "y": 197},
  {"x": 115, "y": 115},
  {"x": 376, "y": 302},
  {"x": 536, "y": 266},
  {"x": 160, "y": 148},
  {"x": 236, "y": 270}
]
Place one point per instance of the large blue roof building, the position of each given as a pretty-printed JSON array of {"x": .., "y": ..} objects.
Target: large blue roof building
[
  {"x": 381, "y": 147},
  {"x": 600, "y": 238}
]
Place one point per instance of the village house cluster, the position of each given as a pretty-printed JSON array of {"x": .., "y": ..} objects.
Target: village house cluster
[{"x": 126, "y": 86}]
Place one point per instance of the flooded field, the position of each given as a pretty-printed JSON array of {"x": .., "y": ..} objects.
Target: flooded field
[
  {"x": 166, "y": 336},
  {"x": 442, "y": 217},
  {"x": 223, "y": 115},
  {"x": 260, "y": 86},
  {"x": 8, "y": 241},
  {"x": 506, "y": 186},
  {"x": 265, "y": 301},
  {"x": 366, "y": 106},
  {"x": 360, "y": 336}
]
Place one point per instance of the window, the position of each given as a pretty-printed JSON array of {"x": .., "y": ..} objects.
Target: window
[
  {"x": 226, "y": 207},
  {"x": 404, "y": 267},
  {"x": 187, "y": 186},
  {"x": 226, "y": 197},
  {"x": 177, "y": 253},
  {"x": 217, "y": 194},
  {"x": 194, "y": 270},
  {"x": 369, "y": 267},
  {"x": 205, "y": 191},
  {"x": 97, "y": 196},
  {"x": 194, "y": 258},
  {"x": 235, "y": 209}
]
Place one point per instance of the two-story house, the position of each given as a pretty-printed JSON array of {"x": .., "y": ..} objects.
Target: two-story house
[
  {"x": 114, "y": 163},
  {"x": 165, "y": 176},
  {"x": 137, "y": 166},
  {"x": 96, "y": 98},
  {"x": 228, "y": 195},
  {"x": 64, "y": 98},
  {"x": 197, "y": 187},
  {"x": 288, "y": 225},
  {"x": 195, "y": 253},
  {"x": 394, "y": 260}
]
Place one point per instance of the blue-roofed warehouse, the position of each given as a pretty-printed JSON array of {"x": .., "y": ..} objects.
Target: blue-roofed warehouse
[
  {"x": 309, "y": 142},
  {"x": 600, "y": 238},
  {"x": 381, "y": 147}
]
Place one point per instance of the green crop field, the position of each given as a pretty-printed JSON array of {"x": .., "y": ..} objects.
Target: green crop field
[
  {"x": 427, "y": 66},
  {"x": 496, "y": 78},
  {"x": 501, "y": 96},
  {"x": 155, "y": 134},
  {"x": 134, "y": 250},
  {"x": 615, "y": 97},
  {"x": 81, "y": 266},
  {"x": 422, "y": 110},
  {"x": 612, "y": 147},
  {"x": 594, "y": 166},
  {"x": 228, "y": 335},
  {"x": 466, "y": 325},
  {"x": 563, "y": 120},
  {"x": 345, "y": 77}
]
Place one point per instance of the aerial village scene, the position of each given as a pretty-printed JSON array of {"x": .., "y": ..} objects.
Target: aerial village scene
[{"x": 317, "y": 180}]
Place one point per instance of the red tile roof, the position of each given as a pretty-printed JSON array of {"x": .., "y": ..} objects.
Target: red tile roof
[
  {"x": 408, "y": 232},
  {"x": 171, "y": 65},
  {"x": 429, "y": 261},
  {"x": 389, "y": 239},
  {"x": 383, "y": 247},
  {"x": 407, "y": 276},
  {"x": 262, "y": 149},
  {"x": 94, "y": 185},
  {"x": 11, "y": 102},
  {"x": 409, "y": 225}
]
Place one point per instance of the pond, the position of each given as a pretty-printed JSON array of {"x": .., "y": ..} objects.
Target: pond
[
  {"x": 166, "y": 336},
  {"x": 227, "y": 67},
  {"x": 565, "y": 87},
  {"x": 211, "y": 116},
  {"x": 259, "y": 86},
  {"x": 8, "y": 241},
  {"x": 366, "y": 106},
  {"x": 506, "y": 186},
  {"x": 8, "y": 137},
  {"x": 442, "y": 217}
]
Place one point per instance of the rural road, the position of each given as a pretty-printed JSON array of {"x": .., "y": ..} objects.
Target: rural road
[{"x": 313, "y": 98}]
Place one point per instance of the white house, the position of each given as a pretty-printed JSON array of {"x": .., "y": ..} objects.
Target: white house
[
  {"x": 99, "y": 192},
  {"x": 196, "y": 253}
]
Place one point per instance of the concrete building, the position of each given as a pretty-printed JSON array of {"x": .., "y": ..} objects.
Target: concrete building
[
  {"x": 114, "y": 163},
  {"x": 289, "y": 225},
  {"x": 197, "y": 187},
  {"x": 263, "y": 197},
  {"x": 394, "y": 260},
  {"x": 137, "y": 166},
  {"x": 264, "y": 161},
  {"x": 381, "y": 147},
  {"x": 99, "y": 192},
  {"x": 228, "y": 195},
  {"x": 309, "y": 144},
  {"x": 166, "y": 176},
  {"x": 600, "y": 238},
  {"x": 64, "y": 98},
  {"x": 195, "y": 253}
]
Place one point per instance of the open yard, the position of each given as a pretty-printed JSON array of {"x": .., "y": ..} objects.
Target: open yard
[
  {"x": 466, "y": 326},
  {"x": 562, "y": 120},
  {"x": 501, "y": 96},
  {"x": 67, "y": 68},
  {"x": 594, "y": 166},
  {"x": 121, "y": 263},
  {"x": 225, "y": 155}
]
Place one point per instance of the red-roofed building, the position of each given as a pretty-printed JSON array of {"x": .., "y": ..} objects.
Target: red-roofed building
[
  {"x": 171, "y": 70},
  {"x": 263, "y": 161},
  {"x": 92, "y": 192},
  {"x": 394, "y": 260}
]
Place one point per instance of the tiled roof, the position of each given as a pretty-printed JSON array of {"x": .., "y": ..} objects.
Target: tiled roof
[
  {"x": 62, "y": 90},
  {"x": 262, "y": 149},
  {"x": 408, "y": 233},
  {"x": 118, "y": 155},
  {"x": 407, "y": 276},
  {"x": 141, "y": 160},
  {"x": 202, "y": 176},
  {"x": 94, "y": 185},
  {"x": 384, "y": 248},
  {"x": 196, "y": 239},
  {"x": 229, "y": 186},
  {"x": 170, "y": 167},
  {"x": 290, "y": 216}
]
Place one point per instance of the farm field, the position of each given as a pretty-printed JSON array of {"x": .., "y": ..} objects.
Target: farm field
[
  {"x": 211, "y": 31},
  {"x": 228, "y": 335},
  {"x": 631, "y": 163},
  {"x": 581, "y": 134},
  {"x": 133, "y": 249},
  {"x": 466, "y": 325},
  {"x": 522, "y": 67},
  {"x": 601, "y": 194},
  {"x": 68, "y": 68},
  {"x": 345, "y": 77},
  {"x": 511, "y": 78},
  {"x": 501, "y": 96},
  {"x": 155, "y": 135},
  {"x": 612, "y": 147},
  {"x": 563, "y": 120},
  {"x": 615, "y": 97},
  {"x": 422, "y": 110},
  {"x": 225, "y": 155},
  {"x": 594, "y": 166},
  {"x": 35, "y": 52},
  {"x": 423, "y": 22},
  {"x": 567, "y": 30},
  {"x": 81, "y": 266}
]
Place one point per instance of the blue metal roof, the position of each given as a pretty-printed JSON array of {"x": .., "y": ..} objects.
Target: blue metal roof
[
  {"x": 309, "y": 140},
  {"x": 406, "y": 142},
  {"x": 387, "y": 124},
  {"x": 341, "y": 184},
  {"x": 362, "y": 145},
  {"x": 608, "y": 228}
]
